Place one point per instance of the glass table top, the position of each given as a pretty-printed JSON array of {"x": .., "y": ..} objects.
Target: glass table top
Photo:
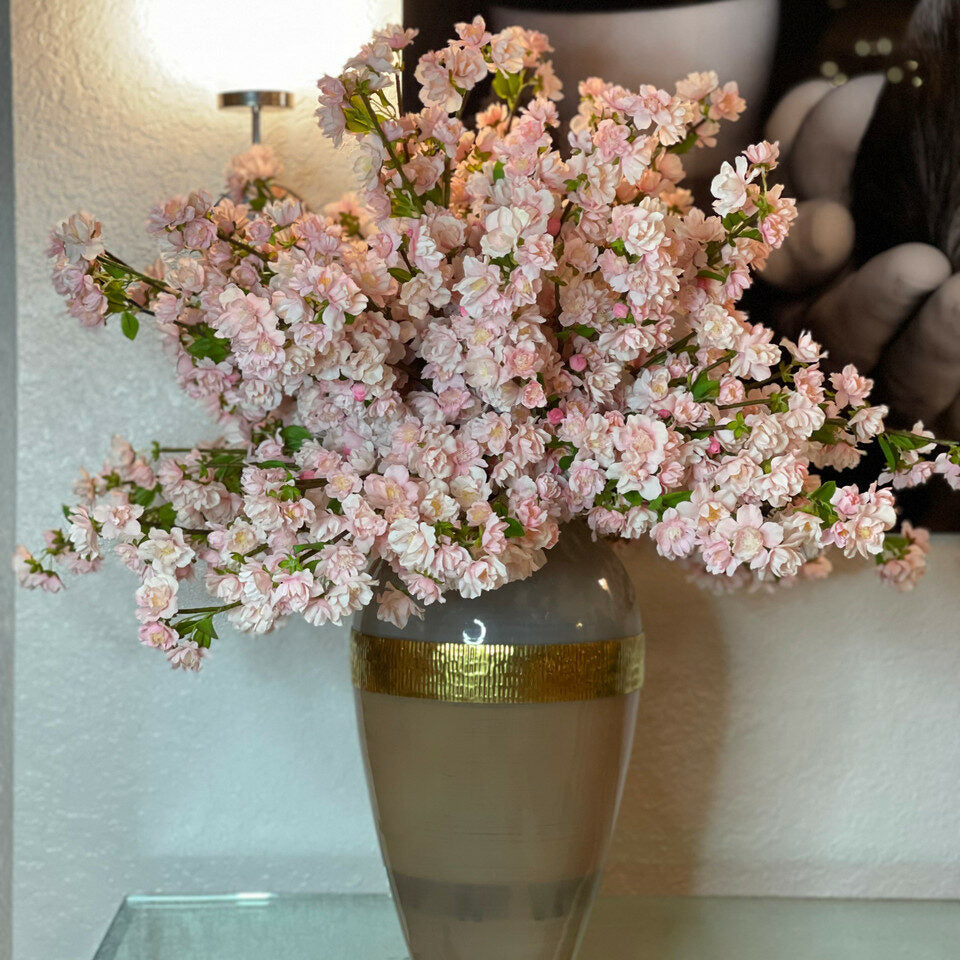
[{"x": 256, "y": 926}]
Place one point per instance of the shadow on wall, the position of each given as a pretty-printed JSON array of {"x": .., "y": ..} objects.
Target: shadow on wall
[{"x": 680, "y": 730}]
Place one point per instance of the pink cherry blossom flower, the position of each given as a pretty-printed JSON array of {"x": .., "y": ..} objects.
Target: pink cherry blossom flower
[
  {"x": 729, "y": 187},
  {"x": 84, "y": 534},
  {"x": 750, "y": 536},
  {"x": 293, "y": 591},
  {"x": 166, "y": 551},
  {"x": 641, "y": 227},
  {"x": 726, "y": 102},
  {"x": 156, "y": 598},
  {"x": 479, "y": 287},
  {"x": 763, "y": 154},
  {"x": 949, "y": 469},
  {"x": 396, "y": 607},
  {"x": 77, "y": 239},
  {"x": 852, "y": 388},
  {"x": 806, "y": 349},
  {"x": 156, "y": 634},
  {"x": 482, "y": 575},
  {"x": 868, "y": 422},
  {"x": 412, "y": 542},
  {"x": 187, "y": 655},
  {"x": 675, "y": 534}
]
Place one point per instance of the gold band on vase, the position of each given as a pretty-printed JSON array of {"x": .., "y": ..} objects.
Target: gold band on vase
[{"x": 497, "y": 672}]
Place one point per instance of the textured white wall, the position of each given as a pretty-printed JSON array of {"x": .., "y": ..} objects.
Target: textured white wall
[
  {"x": 808, "y": 745},
  {"x": 802, "y": 744}
]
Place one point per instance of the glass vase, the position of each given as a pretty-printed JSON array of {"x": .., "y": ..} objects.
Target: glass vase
[{"x": 496, "y": 735}]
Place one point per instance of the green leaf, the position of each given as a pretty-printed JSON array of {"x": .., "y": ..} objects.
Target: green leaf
[
  {"x": 294, "y": 436},
  {"x": 116, "y": 296},
  {"x": 207, "y": 344},
  {"x": 164, "y": 517},
  {"x": 514, "y": 528},
  {"x": 316, "y": 545},
  {"x": 733, "y": 220},
  {"x": 204, "y": 631},
  {"x": 712, "y": 275},
  {"x": 778, "y": 402},
  {"x": 399, "y": 274},
  {"x": 903, "y": 441},
  {"x": 507, "y": 86},
  {"x": 114, "y": 269},
  {"x": 704, "y": 388},
  {"x": 402, "y": 206},
  {"x": 891, "y": 457},
  {"x": 357, "y": 116},
  {"x": 738, "y": 425},
  {"x": 335, "y": 507},
  {"x": 826, "y": 434},
  {"x": 825, "y": 493},
  {"x": 498, "y": 173},
  {"x": 143, "y": 497},
  {"x": 505, "y": 261},
  {"x": 355, "y": 125},
  {"x": 129, "y": 324},
  {"x": 675, "y": 498},
  {"x": 685, "y": 145}
]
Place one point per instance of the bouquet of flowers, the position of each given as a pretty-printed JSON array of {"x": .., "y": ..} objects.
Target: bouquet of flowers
[{"x": 491, "y": 338}]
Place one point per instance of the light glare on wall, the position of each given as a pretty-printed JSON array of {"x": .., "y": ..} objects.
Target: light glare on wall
[{"x": 223, "y": 45}]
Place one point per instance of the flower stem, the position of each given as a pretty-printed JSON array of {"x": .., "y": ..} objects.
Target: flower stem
[
  {"x": 414, "y": 196},
  {"x": 150, "y": 281},
  {"x": 726, "y": 358},
  {"x": 214, "y": 609},
  {"x": 675, "y": 347},
  {"x": 759, "y": 402},
  {"x": 240, "y": 245}
]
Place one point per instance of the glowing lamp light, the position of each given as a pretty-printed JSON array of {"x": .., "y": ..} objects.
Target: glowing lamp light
[{"x": 250, "y": 54}]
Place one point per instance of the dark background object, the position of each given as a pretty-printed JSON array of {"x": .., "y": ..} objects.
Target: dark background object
[
  {"x": 906, "y": 184},
  {"x": 837, "y": 40},
  {"x": 915, "y": 137}
]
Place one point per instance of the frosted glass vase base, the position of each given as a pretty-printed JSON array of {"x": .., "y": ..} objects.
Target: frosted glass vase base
[{"x": 494, "y": 819}]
